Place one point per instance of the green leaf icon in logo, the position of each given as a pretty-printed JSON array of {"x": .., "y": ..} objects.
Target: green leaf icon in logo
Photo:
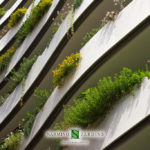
[{"x": 75, "y": 134}]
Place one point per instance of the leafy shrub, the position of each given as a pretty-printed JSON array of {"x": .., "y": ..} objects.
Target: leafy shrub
[
  {"x": 2, "y": 12},
  {"x": 77, "y": 3},
  {"x": 28, "y": 123},
  {"x": 12, "y": 141},
  {"x": 34, "y": 17},
  {"x": 94, "y": 103},
  {"x": 3, "y": 98},
  {"x": 16, "y": 17},
  {"x": 25, "y": 66},
  {"x": 89, "y": 35},
  {"x": 18, "y": 76},
  {"x": 65, "y": 68},
  {"x": 36, "y": 14},
  {"x": 42, "y": 96},
  {"x": 5, "y": 58}
]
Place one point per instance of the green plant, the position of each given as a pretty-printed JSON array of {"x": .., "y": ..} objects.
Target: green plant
[
  {"x": 89, "y": 35},
  {"x": 65, "y": 68},
  {"x": 25, "y": 66},
  {"x": 110, "y": 16},
  {"x": 3, "y": 98},
  {"x": 2, "y": 12},
  {"x": 95, "y": 103},
  {"x": 16, "y": 17},
  {"x": 17, "y": 76},
  {"x": 34, "y": 17},
  {"x": 5, "y": 58},
  {"x": 55, "y": 28},
  {"x": 36, "y": 14},
  {"x": 72, "y": 22},
  {"x": 58, "y": 145},
  {"x": 77, "y": 3},
  {"x": 28, "y": 123},
  {"x": 42, "y": 96},
  {"x": 12, "y": 141},
  {"x": 61, "y": 15}
]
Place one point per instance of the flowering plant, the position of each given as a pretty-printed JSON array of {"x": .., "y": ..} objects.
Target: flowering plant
[
  {"x": 120, "y": 3},
  {"x": 36, "y": 14},
  {"x": 5, "y": 58},
  {"x": 16, "y": 17},
  {"x": 65, "y": 68},
  {"x": 110, "y": 16}
]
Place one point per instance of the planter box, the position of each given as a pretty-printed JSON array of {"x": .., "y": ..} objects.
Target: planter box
[
  {"x": 33, "y": 74},
  {"x": 27, "y": 42},
  {"x": 9, "y": 12},
  {"x": 12, "y": 32},
  {"x": 93, "y": 51},
  {"x": 6, "y": 3},
  {"x": 125, "y": 114}
]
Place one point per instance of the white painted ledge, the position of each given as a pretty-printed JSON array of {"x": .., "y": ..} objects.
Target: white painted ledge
[
  {"x": 11, "y": 102},
  {"x": 10, "y": 11},
  {"x": 42, "y": 60},
  {"x": 12, "y": 32},
  {"x": 5, "y": 109},
  {"x": 107, "y": 37},
  {"x": 1, "y": 1},
  {"x": 28, "y": 41},
  {"x": 35, "y": 70},
  {"x": 127, "y": 113}
]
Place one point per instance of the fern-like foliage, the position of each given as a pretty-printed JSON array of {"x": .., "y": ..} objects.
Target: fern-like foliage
[
  {"x": 12, "y": 141},
  {"x": 89, "y": 35},
  {"x": 95, "y": 103},
  {"x": 25, "y": 66},
  {"x": 18, "y": 76},
  {"x": 42, "y": 96}
]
